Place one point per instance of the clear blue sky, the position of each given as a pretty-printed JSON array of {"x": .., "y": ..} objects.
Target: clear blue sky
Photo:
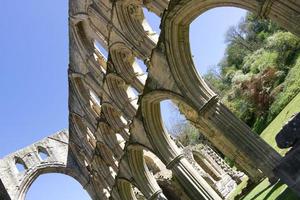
[
  {"x": 34, "y": 60},
  {"x": 33, "y": 84}
]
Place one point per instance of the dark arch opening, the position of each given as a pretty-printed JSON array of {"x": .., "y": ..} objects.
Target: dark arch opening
[
  {"x": 20, "y": 165},
  {"x": 43, "y": 153}
]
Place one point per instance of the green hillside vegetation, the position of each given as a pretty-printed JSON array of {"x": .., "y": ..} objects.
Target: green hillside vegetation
[
  {"x": 279, "y": 191},
  {"x": 260, "y": 72}
]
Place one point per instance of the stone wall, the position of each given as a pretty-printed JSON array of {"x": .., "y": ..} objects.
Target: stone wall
[{"x": 114, "y": 104}]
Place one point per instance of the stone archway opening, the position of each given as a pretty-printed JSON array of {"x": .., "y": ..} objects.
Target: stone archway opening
[
  {"x": 204, "y": 157},
  {"x": 208, "y": 104},
  {"x": 152, "y": 20},
  {"x": 240, "y": 57},
  {"x": 177, "y": 125},
  {"x": 56, "y": 186},
  {"x": 207, "y": 36}
]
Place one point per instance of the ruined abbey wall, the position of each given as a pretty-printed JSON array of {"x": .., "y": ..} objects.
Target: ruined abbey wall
[{"x": 114, "y": 104}]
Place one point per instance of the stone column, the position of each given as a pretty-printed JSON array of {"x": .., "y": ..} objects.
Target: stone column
[
  {"x": 141, "y": 175},
  {"x": 236, "y": 140},
  {"x": 194, "y": 185}
]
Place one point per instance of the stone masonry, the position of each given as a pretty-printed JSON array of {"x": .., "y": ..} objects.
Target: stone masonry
[{"x": 114, "y": 106}]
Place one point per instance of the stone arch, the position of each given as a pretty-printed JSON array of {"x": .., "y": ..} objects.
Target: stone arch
[
  {"x": 60, "y": 160},
  {"x": 133, "y": 22},
  {"x": 152, "y": 166},
  {"x": 93, "y": 60},
  {"x": 100, "y": 55},
  {"x": 125, "y": 189},
  {"x": 87, "y": 94},
  {"x": 45, "y": 169},
  {"x": 157, "y": 132},
  {"x": 84, "y": 44},
  {"x": 108, "y": 156},
  {"x": 115, "y": 141},
  {"x": 176, "y": 37},
  {"x": 118, "y": 90},
  {"x": 82, "y": 127},
  {"x": 156, "y": 6},
  {"x": 102, "y": 169},
  {"x": 153, "y": 163},
  {"x": 125, "y": 65},
  {"x": 234, "y": 133},
  {"x": 164, "y": 177},
  {"x": 142, "y": 177},
  {"x": 166, "y": 148},
  {"x": 116, "y": 120}
]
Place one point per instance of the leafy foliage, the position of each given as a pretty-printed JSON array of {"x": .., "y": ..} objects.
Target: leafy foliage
[{"x": 260, "y": 72}]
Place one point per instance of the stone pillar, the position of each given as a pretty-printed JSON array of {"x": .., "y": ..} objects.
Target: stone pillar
[
  {"x": 236, "y": 140},
  {"x": 194, "y": 185},
  {"x": 144, "y": 179}
]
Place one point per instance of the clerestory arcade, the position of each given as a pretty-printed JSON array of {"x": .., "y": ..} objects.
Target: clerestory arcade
[{"x": 117, "y": 146}]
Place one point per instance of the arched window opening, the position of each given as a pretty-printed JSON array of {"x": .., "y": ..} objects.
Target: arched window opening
[
  {"x": 102, "y": 63},
  {"x": 108, "y": 156},
  {"x": 20, "y": 165},
  {"x": 112, "y": 172},
  {"x": 86, "y": 164},
  {"x": 81, "y": 88},
  {"x": 84, "y": 136},
  {"x": 164, "y": 177},
  {"x": 156, "y": 166},
  {"x": 152, "y": 166},
  {"x": 211, "y": 165},
  {"x": 100, "y": 49},
  {"x": 106, "y": 193},
  {"x": 248, "y": 78},
  {"x": 208, "y": 44},
  {"x": 43, "y": 153},
  {"x": 133, "y": 96},
  {"x": 88, "y": 97},
  {"x": 82, "y": 34},
  {"x": 140, "y": 69},
  {"x": 153, "y": 21},
  {"x": 116, "y": 120},
  {"x": 123, "y": 120},
  {"x": 95, "y": 102},
  {"x": 241, "y": 59},
  {"x": 100, "y": 55},
  {"x": 121, "y": 141},
  {"x": 149, "y": 31},
  {"x": 62, "y": 187},
  {"x": 91, "y": 138},
  {"x": 179, "y": 128}
]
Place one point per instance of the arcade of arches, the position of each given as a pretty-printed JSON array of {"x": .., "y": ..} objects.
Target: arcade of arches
[{"x": 117, "y": 146}]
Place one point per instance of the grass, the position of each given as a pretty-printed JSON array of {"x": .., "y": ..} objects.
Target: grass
[
  {"x": 239, "y": 188},
  {"x": 279, "y": 191},
  {"x": 274, "y": 127}
]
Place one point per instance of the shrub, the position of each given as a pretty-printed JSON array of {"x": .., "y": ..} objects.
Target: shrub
[
  {"x": 286, "y": 44},
  {"x": 260, "y": 60},
  {"x": 291, "y": 87}
]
